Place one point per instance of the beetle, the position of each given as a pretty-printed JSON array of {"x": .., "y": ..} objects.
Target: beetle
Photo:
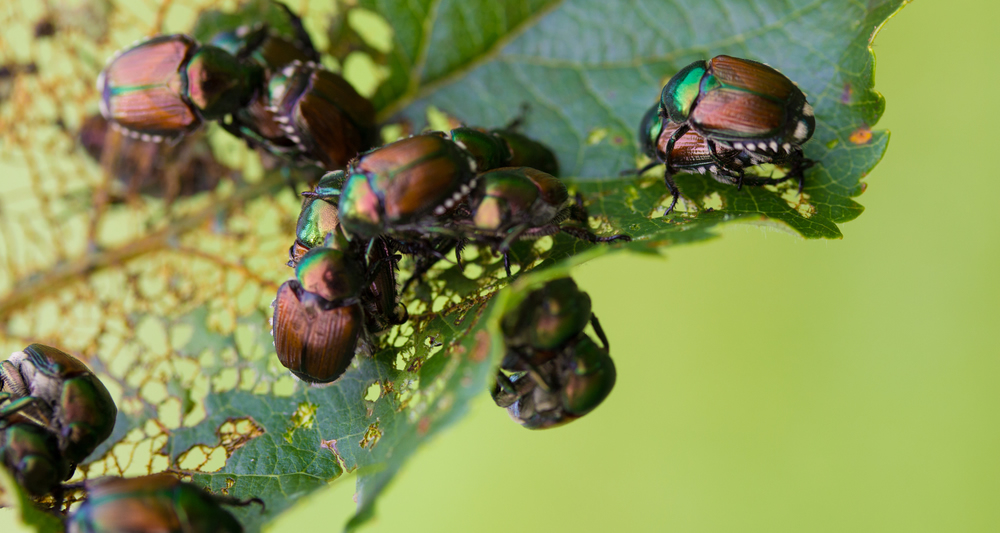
[
  {"x": 265, "y": 31},
  {"x": 505, "y": 147},
  {"x": 324, "y": 117},
  {"x": 404, "y": 188},
  {"x": 318, "y": 319},
  {"x": 319, "y": 225},
  {"x": 691, "y": 153},
  {"x": 514, "y": 203},
  {"x": 319, "y": 219},
  {"x": 549, "y": 317},
  {"x": 552, "y": 373},
  {"x": 746, "y": 113},
  {"x": 169, "y": 85},
  {"x": 31, "y": 453},
  {"x": 159, "y": 502},
  {"x": 82, "y": 411},
  {"x": 164, "y": 170},
  {"x": 273, "y": 37},
  {"x": 563, "y": 388}
]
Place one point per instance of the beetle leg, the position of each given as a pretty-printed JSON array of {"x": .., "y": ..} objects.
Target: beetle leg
[
  {"x": 799, "y": 169},
  {"x": 505, "y": 384},
  {"x": 305, "y": 43},
  {"x": 667, "y": 177},
  {"x": 589, "y": 236},
  {"x": 515, "y": 233},
  {"x": 458, "y": 253},
  {"x": 11, "y": 377},
  {"x": 506, "y": 263},
  {"x": 518, "y": 120},
  {"x": 640, "y": 171},
  {"x": 600, "y": 331},
  {"x": 19, "y": 406}
]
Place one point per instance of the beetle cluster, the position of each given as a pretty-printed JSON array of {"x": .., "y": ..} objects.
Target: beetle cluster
[
  {"x": 261, "y": 81},
  {"x": 723, "y": 116},
  {"x": 552, "y": 372},
  {"x": 53, "y": 413},
  {"x": 423, "y": 196}
]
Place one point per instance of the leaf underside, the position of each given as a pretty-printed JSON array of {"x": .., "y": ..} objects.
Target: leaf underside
[{"x": 169, "y": 304}]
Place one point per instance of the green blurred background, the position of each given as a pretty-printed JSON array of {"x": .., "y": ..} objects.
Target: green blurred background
[{"x": 768, "y": 383}]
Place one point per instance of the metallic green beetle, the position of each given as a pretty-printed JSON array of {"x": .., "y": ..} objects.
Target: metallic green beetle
[
  {"x": 159, "y": 503},
  {"x": 319, "y": 219},
  {"x": 31, "y": 453},
  {"x": 169, "y": 85},
  {"x": 736, "y": 104},
  {"x": 691, "y": 153},
  {"x": 319, "y": 225},
  {"x": 46, "y": 383},
  {"x": 505, "y": 148},
  {"x": 524, "y": 203},
  {"x": 553, "y": 373},
  {"x": 405, "y": 187},
  {"x": 549, "y": 317}
]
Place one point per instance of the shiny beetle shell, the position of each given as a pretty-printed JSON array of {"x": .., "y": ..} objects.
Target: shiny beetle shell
[
  {"x": 168, "y": 85},
  {"x": 83, "y": 413},
  {"x": 31, "y": 453},
  {"x": 489, "y": 150},
  {"x": 322, "y": 114},
  {"x": 164, "y": 170},
  {"x": 159, "y": 503},
  {"x": 527, "y": 152},
  {"x": 318, "y": 320},
  {"x": 507, "y": 197},
  {"x": 579, "y": 378},
  {"x": 272, "y": 36},
  {"x": 739, "y": 101},
  {"x": 548, "y": 317},
  {"x": 690, "y": 152},
  {"x": 404, "y": 182}
]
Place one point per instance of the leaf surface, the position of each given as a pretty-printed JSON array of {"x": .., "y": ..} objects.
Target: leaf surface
[{"x": 170, "y": 303}]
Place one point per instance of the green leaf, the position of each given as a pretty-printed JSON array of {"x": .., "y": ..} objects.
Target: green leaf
[
  {"x": 169, "y": 303},
  {"x": 29, "y": 516}
]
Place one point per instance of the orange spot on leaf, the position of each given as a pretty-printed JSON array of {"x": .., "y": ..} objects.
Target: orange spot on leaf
[
  {"x": 482, "y": 348},
  {"x": 861, "y": 135}
]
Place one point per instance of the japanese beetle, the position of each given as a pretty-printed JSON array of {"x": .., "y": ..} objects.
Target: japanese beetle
[
  {"x": 82, "y": 412},
  {"x": 168, "y": 85},
  {"x": 505, "y": 148},
  {"x": 163, "y": 170},
  {"x": 31, "y": 453},
  {"x": 265, "y": 31},
  {"x": 549, "y": 317},
  {"x": 558, "y": 390},
  {"x": 272, "y": 36},
  {"x": 524, "y": 203},
  {"x": 159, "y": 503},
  {"x": 553, "y": 373},
  {"x": 320, "y": 113},
  {"x": 318, "y": 318},
  {"x": 319, "y": 225},
  {"x": 745, "y": 112},
  {"x": 319, "y": 219},
  {"x": 404, "y": 187},
  {"x": 527, "y": 152}
]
